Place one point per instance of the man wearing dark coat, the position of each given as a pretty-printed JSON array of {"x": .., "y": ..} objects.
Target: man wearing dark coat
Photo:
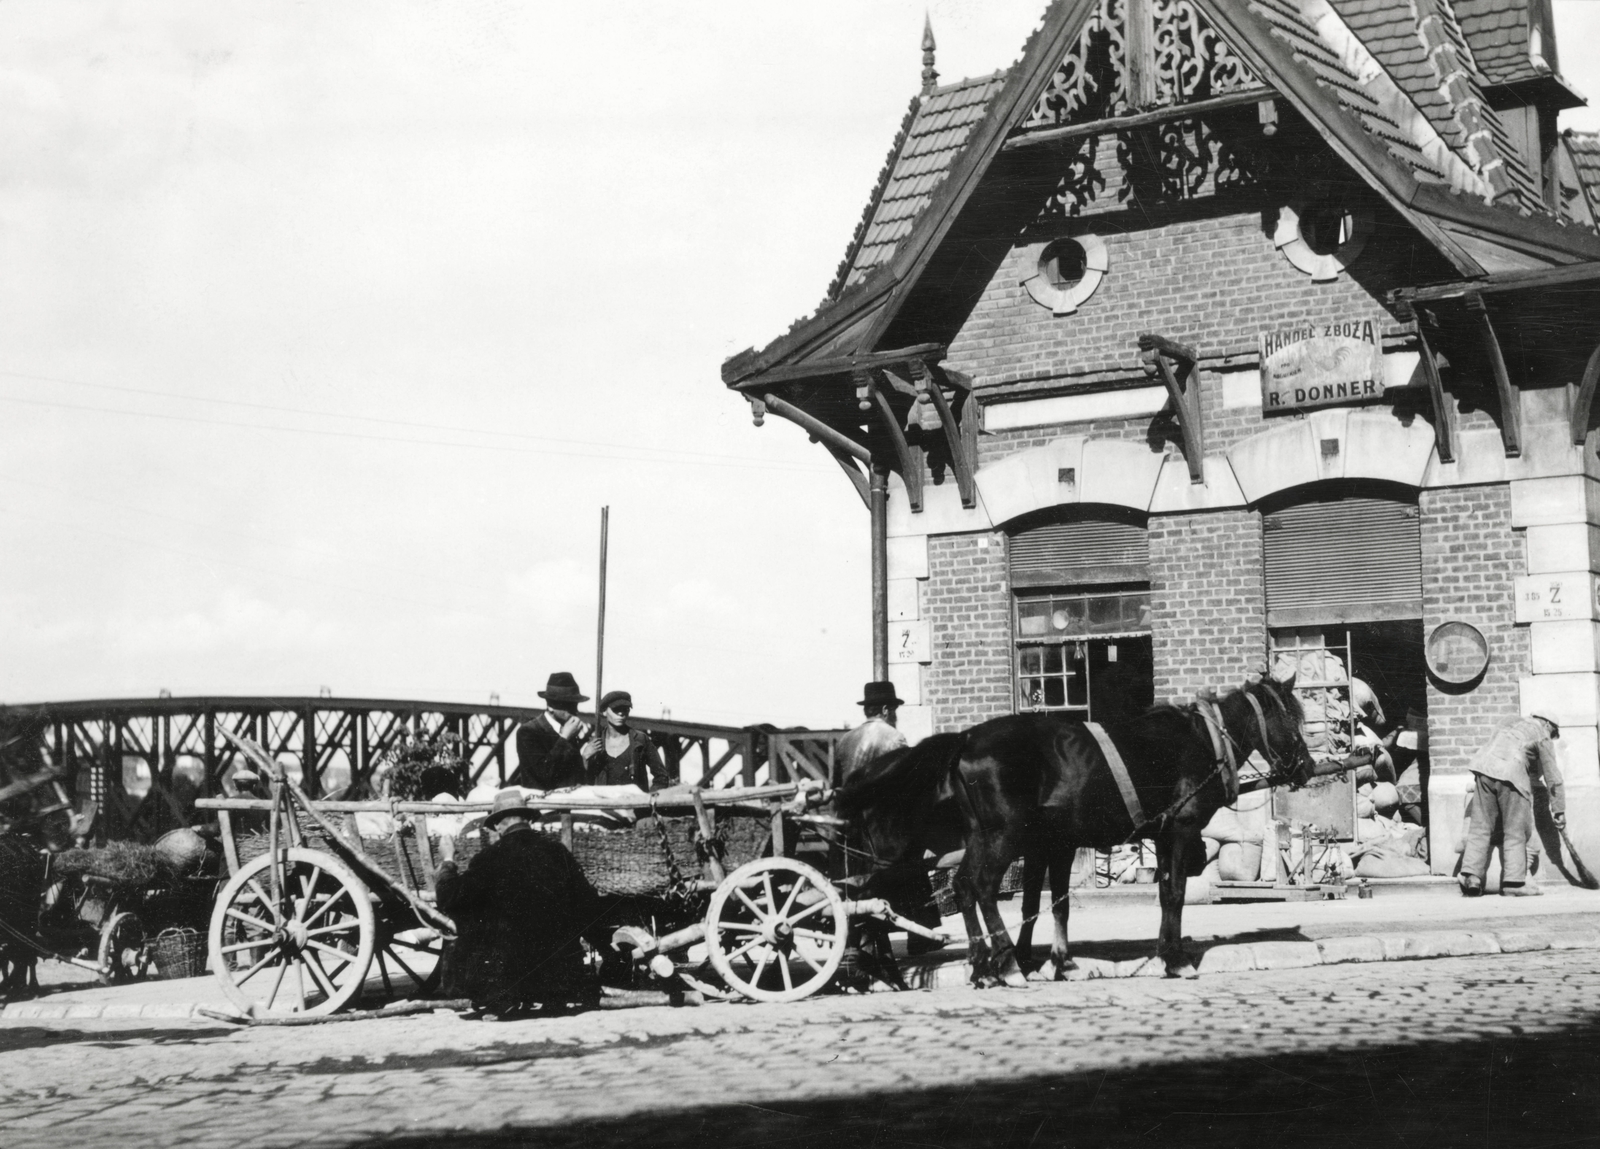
[
  {"x": 521, "y": 909},
  {"x": 548, "y": 754}
]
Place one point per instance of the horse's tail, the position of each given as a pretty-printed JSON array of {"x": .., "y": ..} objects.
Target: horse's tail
[{"x": 901, "y": 773}]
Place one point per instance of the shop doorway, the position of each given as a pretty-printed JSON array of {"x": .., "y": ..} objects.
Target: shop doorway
[{"x": 1344, "y": 607}]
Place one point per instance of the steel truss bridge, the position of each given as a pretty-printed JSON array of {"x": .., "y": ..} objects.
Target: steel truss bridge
[{"x": 145, "y": 761}]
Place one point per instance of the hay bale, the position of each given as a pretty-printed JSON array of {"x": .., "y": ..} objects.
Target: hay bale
[{"x": 121, "y": 863}]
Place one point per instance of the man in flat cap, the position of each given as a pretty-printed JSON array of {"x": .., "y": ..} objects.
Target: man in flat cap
[
  {"x": 1502, "y": 803},
  {"x": 619, "y": 754},
  {"x": 548, "y": 748}
]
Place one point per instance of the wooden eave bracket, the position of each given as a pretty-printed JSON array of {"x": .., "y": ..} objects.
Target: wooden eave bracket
[
  {"x": 1444, "y": 414},
  {"x": 1584, "y": 400},
  {"x": 934, "y": 380},
  {"x": 908, "y": 458},
  {"x": 1510, "y": 395},
  {"x": 1177, "y": 366}
]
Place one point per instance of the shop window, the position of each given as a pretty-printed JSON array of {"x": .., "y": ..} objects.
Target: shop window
[{"x": 1086, "y": 654}]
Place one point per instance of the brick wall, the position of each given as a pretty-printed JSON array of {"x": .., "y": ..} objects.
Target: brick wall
[
  {"x": 1208, "y": 600},
  {"x": 1470, "y": 555},
  {"x": 969, "y": 602},
  {"x": 1210, "y": 280}
]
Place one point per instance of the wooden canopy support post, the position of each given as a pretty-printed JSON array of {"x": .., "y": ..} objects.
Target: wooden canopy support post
[
  {"x": 1176, "y": 364},
  {"x": 1585, "y": 398},
  {"x": 878, "y": 503},
  {"x": 1510, "y": 396},
  {"x": 910, "y": 460},
  {"x": 847, "y": 464},
  {"x": 933, "y": 379},
  {"x": 1444, "y": 415},
  {"x": 817, "y": 428}
]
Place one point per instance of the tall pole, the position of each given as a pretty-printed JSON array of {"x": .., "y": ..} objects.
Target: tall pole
[
  {"x": 878, "y": 504},
  {"x": 600, "y": 635}
]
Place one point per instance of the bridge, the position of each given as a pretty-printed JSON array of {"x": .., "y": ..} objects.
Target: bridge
[{"x": 145, "y": 761}]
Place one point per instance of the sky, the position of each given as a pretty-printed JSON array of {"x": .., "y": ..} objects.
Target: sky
[{"x": 327, "y": 328}]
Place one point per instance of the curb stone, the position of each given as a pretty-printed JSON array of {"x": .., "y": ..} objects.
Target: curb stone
[{"x": 952, "y": 974}]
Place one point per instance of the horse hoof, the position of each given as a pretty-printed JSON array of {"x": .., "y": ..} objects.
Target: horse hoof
[
  {"x": 1185, "y": 971},
  {"x": 1065, "y": 967},
  {"x": 1016, "y": 979}
]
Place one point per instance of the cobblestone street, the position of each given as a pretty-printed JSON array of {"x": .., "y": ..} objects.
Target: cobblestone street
[{"x": 1481, "y": 1051}]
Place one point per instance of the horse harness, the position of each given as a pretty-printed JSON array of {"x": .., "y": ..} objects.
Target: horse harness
[{"x": 1223, "y": 747}]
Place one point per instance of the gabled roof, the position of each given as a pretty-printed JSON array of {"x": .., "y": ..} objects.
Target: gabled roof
[
  {"x": 1580, "y": 177},
  {"x": 935, "y": 131},
  {"x": 1393, "y": 85}
]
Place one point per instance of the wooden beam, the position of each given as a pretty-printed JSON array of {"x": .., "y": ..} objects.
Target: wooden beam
[
  {"x": 1444, "y": 415},
  {"x": 1184, "y": 390},
  {"x": 847, "y": 464},
  {"x": 838, "y": 365},
  {"x": 910, "y": 461},
  {"x": 829, "y": 435},
  {"x": 1140, "y": 120},
  {"x": 1585, "y": 398},
  {"x": 964, "y": 466},
  {"x": 1510, "y": 397},
  {"x": 1569, "y": 274}
]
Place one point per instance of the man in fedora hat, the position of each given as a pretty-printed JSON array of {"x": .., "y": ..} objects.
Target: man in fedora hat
[
  {"x": 907, "y": 887},
  {"x": 520, "y": 908},
  {"x": 548, "y": 748},
  {"x": 876, "y": 735}
]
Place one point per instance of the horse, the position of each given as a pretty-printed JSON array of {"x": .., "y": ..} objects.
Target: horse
[{"x": 1038, "y": 786}]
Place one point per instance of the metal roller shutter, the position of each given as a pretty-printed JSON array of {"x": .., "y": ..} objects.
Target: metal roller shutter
[
  {"x": 1080, "y": 553},
  {"x": 1351, "y": 560}
]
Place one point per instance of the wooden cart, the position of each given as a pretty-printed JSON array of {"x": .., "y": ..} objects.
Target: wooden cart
[{"x": 313, "y": 912}]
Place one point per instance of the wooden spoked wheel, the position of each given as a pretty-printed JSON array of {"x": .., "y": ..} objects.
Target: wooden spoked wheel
[
  {"x": 409, "y": 961},
  {"x": 776, "y": 930},
  {"x": 122, "y": 954},
  {"x": 302, "y": 949}
]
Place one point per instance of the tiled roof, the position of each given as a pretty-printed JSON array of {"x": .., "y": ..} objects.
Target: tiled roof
[
  {"x": 1392, "y": 31},
  {"x": 1498, "y": 33},
  {"x": 1584, "y": 150},
  {"x": 935, "y": 132}
]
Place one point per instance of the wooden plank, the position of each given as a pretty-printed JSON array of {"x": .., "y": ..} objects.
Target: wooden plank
[
  {"x": 1510, "y": 397},
  {"x": 964, "y": 465},
  {"x": 1572, "y": 274},
  {"x": 910, "y": 464},
  {"x": 230, "y": 850},
  {"x": 1585, "y": 398},
  {"x": 674, "y": 796},
  {"x": 1444, "y": 415}
]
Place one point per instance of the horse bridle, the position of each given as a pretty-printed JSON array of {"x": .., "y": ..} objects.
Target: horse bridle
[{"x": 1229, "y": 746}]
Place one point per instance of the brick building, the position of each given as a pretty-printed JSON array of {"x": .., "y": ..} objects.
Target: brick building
[{"x": 1215, "y": 335}]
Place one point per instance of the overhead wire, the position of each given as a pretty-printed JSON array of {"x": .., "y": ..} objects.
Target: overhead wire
[{"x": 666, "y": 455}]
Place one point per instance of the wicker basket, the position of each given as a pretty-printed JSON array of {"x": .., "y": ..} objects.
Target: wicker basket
[
  {"x": 179, "y": 952},
  {"x": 639, "y": 861}
]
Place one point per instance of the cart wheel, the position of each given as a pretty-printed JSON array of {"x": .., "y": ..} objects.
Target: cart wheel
[
  {"x": 122, "y": 956},
  {"x": 308, "y": 950},
  {"x": 776, "y": 920}
]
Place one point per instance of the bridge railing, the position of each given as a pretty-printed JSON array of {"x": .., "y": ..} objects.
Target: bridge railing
[{"x": 145, "y": 761}]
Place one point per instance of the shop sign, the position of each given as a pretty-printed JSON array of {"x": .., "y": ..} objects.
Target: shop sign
[
  {"x": 910, "y": 641},
  {"x": 1554, "y": 597},
  {"x": 1321, "y": 364}
]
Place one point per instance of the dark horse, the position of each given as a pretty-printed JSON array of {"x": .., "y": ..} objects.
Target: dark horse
[{"x": 1037, "y": 786}]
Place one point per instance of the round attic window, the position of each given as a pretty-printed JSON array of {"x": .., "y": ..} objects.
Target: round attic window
[
  {"x": 1064, "y": 263},
  {"x": 1323, "y": 237},
  {"x": 1067, "y": 272}
]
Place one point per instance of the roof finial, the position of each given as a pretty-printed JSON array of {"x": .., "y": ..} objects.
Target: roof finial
[{"x": 930, "y": 78}]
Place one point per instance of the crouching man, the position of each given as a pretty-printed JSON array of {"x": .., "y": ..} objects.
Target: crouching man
[
  {"x": 1502, "y": 803},
  {"x": 521, "y": 909}
]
